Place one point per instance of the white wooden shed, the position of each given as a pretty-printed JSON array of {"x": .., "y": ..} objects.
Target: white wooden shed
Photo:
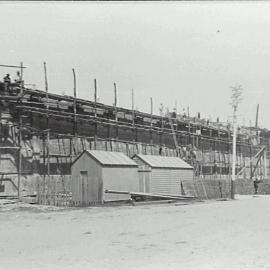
[
  {"x": 95, "y": 171},
  {"x": 165, "y": 175}
]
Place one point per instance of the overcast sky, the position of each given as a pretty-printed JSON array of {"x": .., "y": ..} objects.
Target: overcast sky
[{"x": 172, "y": 51}]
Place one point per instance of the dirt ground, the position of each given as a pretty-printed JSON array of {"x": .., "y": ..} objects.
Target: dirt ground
[{"x": 207, "y": 235}]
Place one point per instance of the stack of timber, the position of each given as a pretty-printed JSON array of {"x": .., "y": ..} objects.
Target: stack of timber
[{"x": 150, "y": 197}]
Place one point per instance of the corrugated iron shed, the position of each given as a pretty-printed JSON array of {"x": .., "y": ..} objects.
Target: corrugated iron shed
[
  {"x": 164, "y": 162},
  {"x": 95, "y": 171},
  {"x": 165, "y": 175},
  {"x": 106, "y": 158}
]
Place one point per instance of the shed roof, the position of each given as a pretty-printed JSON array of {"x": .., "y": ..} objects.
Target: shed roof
[
  {"x": 164, "y": 162},
  {"x": 107, "y": 158}
]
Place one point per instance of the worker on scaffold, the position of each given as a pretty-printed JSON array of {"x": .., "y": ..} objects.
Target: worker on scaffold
[
  {"x": 7, "y": 81},
  {"x": 18, "y": 81},
  {"x": 18, "y": 78}
]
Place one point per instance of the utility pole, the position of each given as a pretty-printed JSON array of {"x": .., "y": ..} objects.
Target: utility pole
[{"x": 235, "y": 100}]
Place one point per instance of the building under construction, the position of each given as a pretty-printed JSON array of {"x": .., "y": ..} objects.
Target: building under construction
[{"x": 42, "y": 133}]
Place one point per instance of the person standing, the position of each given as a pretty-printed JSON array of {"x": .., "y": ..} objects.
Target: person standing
[
  {"x": 7, "y": 83},
  {"x": 256, "y": 185}
]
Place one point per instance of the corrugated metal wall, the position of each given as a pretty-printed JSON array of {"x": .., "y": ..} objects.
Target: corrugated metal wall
[
  {"x": 119, "y": 178},
  {"x": 168, "y": 181}
]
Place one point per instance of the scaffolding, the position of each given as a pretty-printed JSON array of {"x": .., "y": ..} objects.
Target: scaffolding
[{"x": 99, "y": 126}]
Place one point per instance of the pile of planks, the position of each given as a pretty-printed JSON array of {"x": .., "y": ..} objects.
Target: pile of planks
[{"x": 151, "y": 197}]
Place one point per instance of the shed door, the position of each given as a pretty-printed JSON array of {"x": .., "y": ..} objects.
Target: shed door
[
  {"x": 84, "y": 187},
  {"x": 144, "y": 180}
]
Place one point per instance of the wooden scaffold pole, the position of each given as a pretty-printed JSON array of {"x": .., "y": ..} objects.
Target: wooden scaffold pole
[
  {"x": 74, "y": 103},
  {"x": 75, "y": 131},
  {"x": 47, "y": 141},
  {"x": 19, "y": 156},
  {"x": 95, "y": 112},
  {"x": 133, "y": 115},
  {"x": 151, "y": 121},
  {"x": 20, "y": 135},
  {"x": 116, "y": 117}
]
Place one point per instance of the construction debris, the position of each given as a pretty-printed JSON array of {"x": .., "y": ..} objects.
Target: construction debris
[{"x": 145, "y": 196}]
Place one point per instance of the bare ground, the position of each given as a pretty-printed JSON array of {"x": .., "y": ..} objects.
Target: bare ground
[{"x": 210, "y": 235}]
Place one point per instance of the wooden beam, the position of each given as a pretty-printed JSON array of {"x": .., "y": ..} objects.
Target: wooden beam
[
  {"x": 10, "y": 66},
  {"x": 14, "y": 173},
  {"x": 241, "y": 170},
  {"x": 9, "y": 147},
  {"x": 144, "y": 194},
  {"x": 259, "y": 155},
  {"x": 11, "y": 181},
  {"x": 104, "y": 120},
  {"x": 260, "y": 151}
]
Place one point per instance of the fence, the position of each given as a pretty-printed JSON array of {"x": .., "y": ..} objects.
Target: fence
[
  {"x": 56, "y": 199},
  {"x": 214, "y": 188},
  {"x": 54, "y": 190}
]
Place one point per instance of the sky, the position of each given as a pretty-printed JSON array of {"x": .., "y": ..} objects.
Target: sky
[{"x": 186, "y": 54}]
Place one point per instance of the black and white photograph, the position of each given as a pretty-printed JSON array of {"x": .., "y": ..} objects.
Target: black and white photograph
[{"x": 134, "y": 135}]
